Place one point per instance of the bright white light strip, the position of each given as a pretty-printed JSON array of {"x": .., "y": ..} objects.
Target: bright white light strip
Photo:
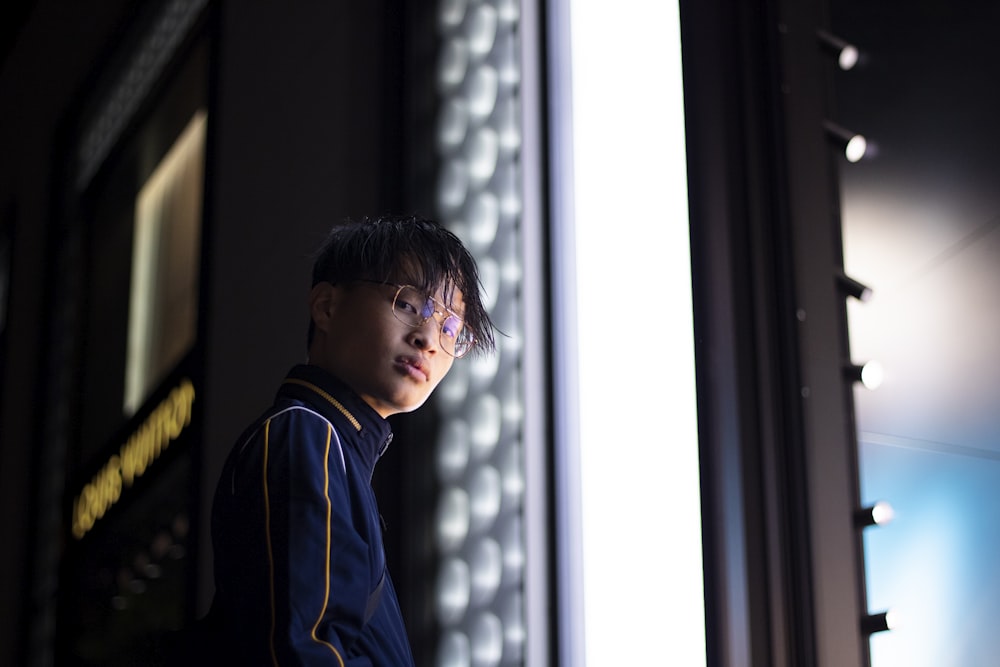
[{"x": 639, "y": 472}]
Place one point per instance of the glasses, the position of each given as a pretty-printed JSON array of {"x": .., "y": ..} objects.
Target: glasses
[{"x": 413, "y": 307}]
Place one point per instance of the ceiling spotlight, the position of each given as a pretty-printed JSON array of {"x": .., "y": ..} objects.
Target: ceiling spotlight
[
  {"x": 852, "y": 287},
  {"x": 870, "y": 374},
  {"x": 847, "y": 54},
  {"x": 880, "y": 622},
  {"x": 878, "y": 514},
  {"x": 855, "y": 145}
]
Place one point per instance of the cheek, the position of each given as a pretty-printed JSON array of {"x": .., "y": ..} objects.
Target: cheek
[
  {"x": 444, "y": 369},
  {"x": 375, "y": 334}
]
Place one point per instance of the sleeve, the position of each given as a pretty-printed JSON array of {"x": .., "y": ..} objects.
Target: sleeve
[{"x": 318, "y": 562}]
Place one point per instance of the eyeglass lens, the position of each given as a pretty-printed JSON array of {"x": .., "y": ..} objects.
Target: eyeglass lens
[{"x": 414, "y": 308}]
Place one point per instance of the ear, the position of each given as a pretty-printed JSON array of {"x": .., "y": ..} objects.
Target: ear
[{"x": 324, "y": 299}]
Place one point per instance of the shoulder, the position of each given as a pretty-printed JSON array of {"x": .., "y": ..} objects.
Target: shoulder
[
  {"x": 293, "y": 425},
  {"x": 295, "y": 411},
  {"x": 287, "y": 419},
  {"x": 290, "y": 413}
]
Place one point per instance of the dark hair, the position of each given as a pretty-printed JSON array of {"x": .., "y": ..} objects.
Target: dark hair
[{"x": 408, "y": 249}]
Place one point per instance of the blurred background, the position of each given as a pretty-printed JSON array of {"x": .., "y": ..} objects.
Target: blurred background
[{"x": 742, "y": 255}]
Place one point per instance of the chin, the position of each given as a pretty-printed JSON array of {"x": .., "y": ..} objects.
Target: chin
[
  {"x": 410, "y": 407},
  {"x": 413, "y": 404},
  {"x": 402, "y": 406}
]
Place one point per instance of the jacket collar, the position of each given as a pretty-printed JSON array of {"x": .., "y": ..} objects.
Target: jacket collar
[{"x": 345, "y": 409}]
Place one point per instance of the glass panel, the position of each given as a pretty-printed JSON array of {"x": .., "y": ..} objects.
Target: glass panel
[
  {"x": 481, "y": 503},
  {"x": 163, "y": 307},
  {"x": 920, "y": 225}
]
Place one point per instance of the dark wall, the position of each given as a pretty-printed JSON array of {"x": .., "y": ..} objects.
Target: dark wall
[
  {"x": 45, "y": 65},
  {"x": 303, "y": 132}
]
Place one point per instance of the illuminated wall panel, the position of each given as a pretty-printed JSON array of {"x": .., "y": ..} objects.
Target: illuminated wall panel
[
  {"x": 163, "y": 306},
  {"x": 480, "y": 515},
  {"x": 620, "y": 245},
  {"x": 629, "y": 471}
]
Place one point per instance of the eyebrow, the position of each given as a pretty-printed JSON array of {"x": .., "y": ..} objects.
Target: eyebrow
[
  {"x": 397, "y": 282},
  {"x": 451, "y": 306}
]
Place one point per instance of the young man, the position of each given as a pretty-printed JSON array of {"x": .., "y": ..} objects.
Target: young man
[{"x": 299, "y": 564}]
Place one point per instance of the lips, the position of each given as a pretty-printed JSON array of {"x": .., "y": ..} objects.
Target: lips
[{"x": 413, "y": 367}]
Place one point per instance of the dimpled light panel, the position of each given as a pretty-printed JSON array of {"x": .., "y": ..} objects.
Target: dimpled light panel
[{"x": 479, "y": 457}]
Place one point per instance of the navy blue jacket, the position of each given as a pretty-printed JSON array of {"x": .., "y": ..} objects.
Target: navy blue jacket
[{"x": 300, "y": 569}]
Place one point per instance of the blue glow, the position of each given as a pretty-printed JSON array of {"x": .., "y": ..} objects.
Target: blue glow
[{"x": 935, "y": 562}]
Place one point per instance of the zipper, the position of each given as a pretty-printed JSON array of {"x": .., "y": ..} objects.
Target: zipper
[{"x": 334, "y": 402}]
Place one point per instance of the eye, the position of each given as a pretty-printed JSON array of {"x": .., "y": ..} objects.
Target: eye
[
  {"x": 406, "y": 305},
  {"x": 452, "y": 325}
]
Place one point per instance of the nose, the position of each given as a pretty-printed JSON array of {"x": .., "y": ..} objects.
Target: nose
[{"x": 425, "y": 337}]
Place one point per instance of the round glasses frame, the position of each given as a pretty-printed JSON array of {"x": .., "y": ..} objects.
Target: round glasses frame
[{"x": 413, "y": 307}]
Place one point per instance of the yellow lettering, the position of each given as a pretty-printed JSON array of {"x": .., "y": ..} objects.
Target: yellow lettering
[
  {"x": 173, "y": 413},
  {"x": 159, "y": 432},
  {"x": 102, "y": 488},
  {"x": 114, "y": 478},
  {"x": 127, "y": 453},
  {"x": 78, "y": 519},
  {"x": 88, "y": 503},
  {"x": 142, "y": 460},
  {"x": 164, "y": 424},
  {"x": 183, "y": 402}
]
